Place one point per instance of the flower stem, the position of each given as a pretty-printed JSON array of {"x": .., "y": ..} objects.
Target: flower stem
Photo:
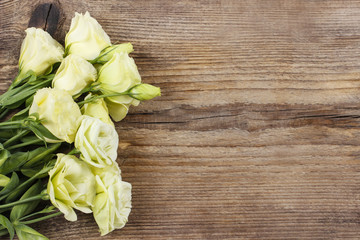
[
  {"x": 8, "y": 123},
  {"x": 42, "y": 218},
  {"x": 16, "y": 137},
  {"x": 29, "y": 181},
  {"x": 3, "y": 111},
  {"x": 102, "y": 96},
  {"x": 45, "y": 210},
  {"x": 30, "y": 199},
  {"x": 35, "y": 141}
]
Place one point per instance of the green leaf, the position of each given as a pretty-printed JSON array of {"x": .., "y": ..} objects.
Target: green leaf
[
  {"x": 15, "y": 161},
  {"x": 8, "y": 225},
  {"x": 6, "y": 134},
  {"x": 4, "y": 180},
  {"x": 30, "y": 138},
  {"x": 32, "y": 171},
  {"x": 40, "y": 153},
  {"x": 42, "y": 132},
  {"x": 4, "y": 155},
  {"x": 29, "y": 101},
  {"x": 4, "y": 232},
  {"x": 21, "y": 114},
  {"x": 21, "y": 210},
  {"x": 27, "y": 233},
  {"x": 14, "y": 182}
]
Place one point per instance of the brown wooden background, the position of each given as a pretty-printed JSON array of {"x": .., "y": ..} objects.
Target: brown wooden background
[{"x": 257, "y": 133}]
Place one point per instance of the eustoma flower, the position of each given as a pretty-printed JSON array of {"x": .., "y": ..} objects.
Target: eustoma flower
[
  {"x": 71, "y": 185},
  {"x": 97, "y": 141},
  {"x": 118, "y": 75},
  {"x": 86, "y": 37},
  {"x": 58, "y": 112},
  {"x": 39, "y": 51},
  {"x": 112, "y": 204},
  {"x": 98, "y": 109},
  {"x": 100, "y": 78},
  {"x": 74, "y": 74}
]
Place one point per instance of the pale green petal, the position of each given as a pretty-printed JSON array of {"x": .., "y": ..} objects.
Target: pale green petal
[
  {"x": 86, "y": 37},
  {"x": 97, "y": 142},
  {"x": 58, "y": 112},
  {"x": 74, "y": 74},
  {"x": 71, "y": 185},
  {"x": 39, "y": 51}
]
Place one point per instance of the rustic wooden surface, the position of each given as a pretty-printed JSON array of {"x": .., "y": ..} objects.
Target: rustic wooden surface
[{"x": 257, "y": 133}]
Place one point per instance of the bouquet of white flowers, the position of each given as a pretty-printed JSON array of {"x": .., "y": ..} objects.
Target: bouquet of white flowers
[{"x": 58, "y": 143}]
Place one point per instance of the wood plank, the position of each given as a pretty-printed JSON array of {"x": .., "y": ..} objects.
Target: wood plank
[{"x": 256, "y": 135}]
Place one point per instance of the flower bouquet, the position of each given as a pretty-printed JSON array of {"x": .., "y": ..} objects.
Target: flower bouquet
[{"x": 58, "y": 143}]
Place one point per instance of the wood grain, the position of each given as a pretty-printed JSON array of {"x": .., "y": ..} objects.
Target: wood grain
[{"x": 257, "y": 133}]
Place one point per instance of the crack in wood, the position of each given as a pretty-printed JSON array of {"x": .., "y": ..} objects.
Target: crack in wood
[{"x": 45, "y": 16}]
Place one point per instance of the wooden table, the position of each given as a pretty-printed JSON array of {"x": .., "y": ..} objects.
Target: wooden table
[{"x": 257, "y": 133}]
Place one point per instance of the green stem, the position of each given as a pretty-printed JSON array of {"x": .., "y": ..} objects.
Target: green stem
[
  {"x": 93, "y": 98},
  {"x": 4, "y": 111},
  {"x": 16, "y": 137},
  {"x": 35, "y": 141},
  {"x": 8, "y": 123},
  {"x": 42, "y": 218},
  {"x": 30, "y": 199},
  {"x": 46, "y": 169},
  {"x": 37, "y": 213}
]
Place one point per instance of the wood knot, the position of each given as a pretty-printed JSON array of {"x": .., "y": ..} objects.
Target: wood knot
[{"x": 45, "y": 16}]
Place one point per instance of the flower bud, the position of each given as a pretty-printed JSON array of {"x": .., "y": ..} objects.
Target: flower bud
[
  {"x": 71, "y": 185},
  {"x": 108, "y": 52},
  {"x": 39, "y": 51},
  {"x": 97, "y": 109},
  {"x": 86, "y": 37},
  {"x": 144, "y": 92},
  {"x": 58, "y": 112},
  {"x": 74, "y": 74}
]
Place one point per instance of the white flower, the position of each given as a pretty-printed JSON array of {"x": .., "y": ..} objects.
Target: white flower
[
  {"x": 71, "y": 185},
  {"x": 97, "y": 109},
  {"x": 112, "y": 204},
  {"x": 118, "y": 75},
  {"x": 39, "y": 51},
  {"x": 86, "y": 37},
  {"x": 97, "y": 141},
  {"x": 58, "y": 112},
  {"x": 74, "y": 74}
]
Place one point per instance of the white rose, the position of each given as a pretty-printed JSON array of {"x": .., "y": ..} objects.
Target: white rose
[
  {"x": 39, "y": 51},
  {"x": 118, "y": 75},
  {"x": 112, "y": 204},
  {"x": 58, "y": 112},
  {"x": 97, "y": 141},
  {"x": 71, "y": 185},
  {"x": 74, "y": 74},
  {"x": 86, "y": 37}
]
